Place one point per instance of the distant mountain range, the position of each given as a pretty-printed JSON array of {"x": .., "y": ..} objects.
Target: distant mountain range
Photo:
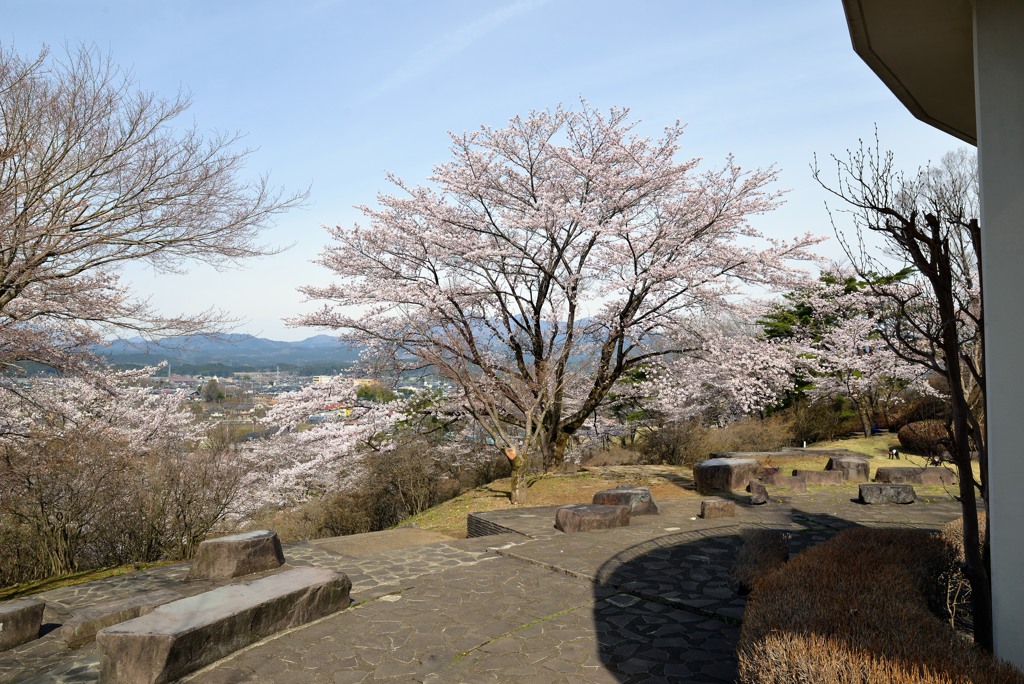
[{"x": 232, "y": 350}]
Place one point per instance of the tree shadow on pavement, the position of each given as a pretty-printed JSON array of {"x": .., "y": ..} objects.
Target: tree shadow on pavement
[{"x": 668, "y": 610}]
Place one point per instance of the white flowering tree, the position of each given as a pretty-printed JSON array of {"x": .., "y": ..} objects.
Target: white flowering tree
[
  {"x": 833, "y": 329},
  {"x": 321, "y": 435},
  {"x": 542, "y": 263},
  {"x": 732, "y": 372}
]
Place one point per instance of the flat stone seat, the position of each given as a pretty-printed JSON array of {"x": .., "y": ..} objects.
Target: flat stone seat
[
  {"x": 587, "y": 517},
  {"x": 887, "y": 493},
  {"x": 853, "y": 468},
  {"x": 725, "y": 474},
  {"x": 20, "y": 621},
  {"x": 185, "y": 635},
  {"x": 717, "y": 508},
  {"x": 237, "y": 555},
  {"x": 638, "y": 499},
  {"x": 912, "y": 475},
  {"x": 83, "y": 624},
  {"x": 820, "y": 477}
]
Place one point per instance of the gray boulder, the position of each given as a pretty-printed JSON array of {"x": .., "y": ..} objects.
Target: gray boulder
[
  {"x": 237, "y": 555},
  {"x": 912, "y": 475},
  {"x": 758, "y": 493},
  {"x": 82, "y": 626},
  {"x": 887, "y": 494},
  {"x": 717, "y": 508},
  {"x": 182, "y": 636},
  {"x": 20, "y": 621}
]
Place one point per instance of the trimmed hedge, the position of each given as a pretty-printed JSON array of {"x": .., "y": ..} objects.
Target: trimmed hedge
[
  {"x": 856, "y": 609},
  {"x": 924, "y": 436},
  {"x": 763, "y": 550}
]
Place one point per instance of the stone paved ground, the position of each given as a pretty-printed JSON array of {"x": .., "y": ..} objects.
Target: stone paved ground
[{"x": 649, "y": 602}]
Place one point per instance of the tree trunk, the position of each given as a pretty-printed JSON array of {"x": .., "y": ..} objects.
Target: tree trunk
[
  {"x": 975, "y": 560},
  {"x": 865, "y": 422},
  {"x": 553, "y": 451},
  {"x": 520, "y": 470}
]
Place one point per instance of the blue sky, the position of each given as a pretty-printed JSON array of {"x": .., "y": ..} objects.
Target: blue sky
[{"x": 333, "y": 94}]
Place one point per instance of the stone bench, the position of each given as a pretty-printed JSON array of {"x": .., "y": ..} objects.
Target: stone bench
[
  {"x": 853, "y": 468},
  {"x": 820, "y": 477},
  {"x": 185, "y": 635},
  {"x": 887, "y": 493},
  {"x": 638, "y": 499},
  {"x": 237, "y": 555},
  {"x": 717, "y": 508},
  {"x": 20, "y": 621},
  {"x": 777, "y": 479},
  {"x": 587, "y": 517},
  {"x": 725, "y": 474},
  {"x": 83, "y": 624},
  {"x": 912, "y": 475}
]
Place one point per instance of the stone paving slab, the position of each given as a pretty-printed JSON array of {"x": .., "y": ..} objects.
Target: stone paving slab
[
  {"x": 504, "y": 620},
  {"x": 532, "y": 604},
  {"x": 371, "y": 543}
]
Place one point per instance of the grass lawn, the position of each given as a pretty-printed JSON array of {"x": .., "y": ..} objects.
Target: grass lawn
[
  {"x": 876, "y": 450},
  {"x": 449, "y": 518},
  {"x": 28, "y": 588}
]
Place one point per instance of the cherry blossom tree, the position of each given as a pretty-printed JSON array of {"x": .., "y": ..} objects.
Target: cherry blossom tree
[
  {"x": 322, "y": 434},
  {"x": 545, "y": 260},
  {"x": 852, "y": 360},
  {"x": 94, "y": 173},
  {"x": 833, "y": 328},
  {"x": 728, "y": 371}
]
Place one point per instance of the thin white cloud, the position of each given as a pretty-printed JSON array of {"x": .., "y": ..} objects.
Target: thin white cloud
[{"x": 439, "y": 51}]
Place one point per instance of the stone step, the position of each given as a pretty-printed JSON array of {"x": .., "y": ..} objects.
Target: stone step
[{"x": 83, "y": 624}]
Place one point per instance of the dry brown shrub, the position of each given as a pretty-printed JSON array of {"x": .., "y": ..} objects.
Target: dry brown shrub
[
  {"x": 855, "y": 609},
  {"x": 689, "y": 442},
  {"x": 610, "y": 455},
  {"x": 953, "y": 588},
  {"x": 762, "y": 552}
]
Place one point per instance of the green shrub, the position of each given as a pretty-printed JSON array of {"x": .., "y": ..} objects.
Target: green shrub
[
  {"x": 823, "y": 420},
  {"x": 855, "y": 609},
  {"x": 924, "y": 436}
]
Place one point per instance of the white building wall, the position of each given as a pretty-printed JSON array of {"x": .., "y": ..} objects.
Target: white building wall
[{"x": 999, "y": 83}]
